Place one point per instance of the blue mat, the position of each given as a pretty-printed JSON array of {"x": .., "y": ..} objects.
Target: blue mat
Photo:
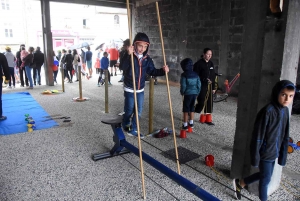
[{"x": 15, "y": 106}]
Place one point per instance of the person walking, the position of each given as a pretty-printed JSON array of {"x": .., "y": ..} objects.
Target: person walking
[
  {"x": 11, "y": 59},
  {"x": 38, "y": 59},
  {"x": 270, "y": 138},
  {"x": 22, "y": 71},
  {"x": 28, "y": 60}
]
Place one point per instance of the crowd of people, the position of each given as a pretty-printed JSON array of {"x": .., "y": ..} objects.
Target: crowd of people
[{"x": 271, "y": 128}]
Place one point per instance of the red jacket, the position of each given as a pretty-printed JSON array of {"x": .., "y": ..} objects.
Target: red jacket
[{"x": 113, "y": 54}]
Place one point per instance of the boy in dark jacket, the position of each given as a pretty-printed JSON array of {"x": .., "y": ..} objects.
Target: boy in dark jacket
[
  {"x": 143, "y": 65},
  {"x": 190, "y": 86},
  {"x": 269, "y": 139}
]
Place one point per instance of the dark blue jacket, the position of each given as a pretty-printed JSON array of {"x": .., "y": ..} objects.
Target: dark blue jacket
[
  {"x": 189, "y": 81},
  {"x": 88, "y": 56},
  {"x": 104, "y": 63},
  {"x": 271, "y": 130},
  {"x": 141, "y": 67}
]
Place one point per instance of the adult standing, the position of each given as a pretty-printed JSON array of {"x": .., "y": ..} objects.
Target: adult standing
[
  {"x": 11, "y": 64},
  {"x": 206, "y": 72},
  {"x": 69, "y": 66},
  {"x": 75, "y": 64},
  {"x": 88, "y": 59},
  {"x": 4, "y": 70},
  {"x": 28, "y": 60},
  {"x": 113, "y": 57},
  {"x": 124, "y": 49},
  {"x": 22, "y": 71},
  {"x": 38, "y": 59}
]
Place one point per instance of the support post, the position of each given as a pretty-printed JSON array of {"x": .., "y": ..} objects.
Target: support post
[
  {"x": 151, "y": 94},
  {"x": 47, "y": 41}
]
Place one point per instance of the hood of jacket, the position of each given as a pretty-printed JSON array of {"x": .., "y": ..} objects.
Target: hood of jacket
[
  {"x": 142, "y": 37},
  {"x": 187, "y": 64},
  {"x": 277, "y": 89}
]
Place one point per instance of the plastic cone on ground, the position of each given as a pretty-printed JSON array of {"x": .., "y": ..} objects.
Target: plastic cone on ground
[
  {"x": 202, "y": 118},
  {"x": 190, "y": 129},
  {"x": 209, "y": 160},
  {"x": 208, "y": 118},
  {"x": 183, "y": 134}
]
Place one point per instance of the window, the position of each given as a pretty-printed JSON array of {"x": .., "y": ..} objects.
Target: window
[
  {"x": 116, "y": 19},
  {"x": 8, "y": 33},
  {"x": 5, "y": 4}
]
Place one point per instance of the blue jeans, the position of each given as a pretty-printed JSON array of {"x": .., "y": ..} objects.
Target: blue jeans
[
  {"x": 130, "y": 110},
  {"x": 28, "y": 73},
  {"x": 264, "y": 176},
  {"x": 55, "y": 75}
]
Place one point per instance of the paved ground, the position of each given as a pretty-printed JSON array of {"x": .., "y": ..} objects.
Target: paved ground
[{"x": 55, "y": 164}]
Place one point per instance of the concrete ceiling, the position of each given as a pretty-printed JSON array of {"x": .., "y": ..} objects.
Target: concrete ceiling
[{"x": 106, "y": 3}]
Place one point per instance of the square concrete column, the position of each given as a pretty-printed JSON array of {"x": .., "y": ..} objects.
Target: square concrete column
[
  {"x": 270, "y": 53},
  {"x": 47, "y": 40}
]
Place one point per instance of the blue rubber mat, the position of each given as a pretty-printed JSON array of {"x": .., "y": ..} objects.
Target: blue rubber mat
[{"x": 15, "y": 106}]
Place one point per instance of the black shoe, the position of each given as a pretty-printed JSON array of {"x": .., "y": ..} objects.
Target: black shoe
[
  {"x": 237, "y": 189},
  {"x": 210, "y": 123},
  {"x": 76, "y": 80},
  {"x": 191, "y": 125},
  {"x": 111, "y": 74},
  {"x": 34, "y": 84},
  {"x": 115, "y": 73},
  {"x": 184, "y": 127}
]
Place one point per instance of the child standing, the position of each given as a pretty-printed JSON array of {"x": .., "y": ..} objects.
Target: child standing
[
  {"x": 190, "y": 86},
  {"x": 104, "y": 66},
  {"x": 143, "y": 65},
  {"x": 269, "y": 139}
]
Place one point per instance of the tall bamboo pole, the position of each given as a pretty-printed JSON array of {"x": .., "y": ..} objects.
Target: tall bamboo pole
[
  {"x": 151, "y": 94},
  {"x": 135, "y": 103},
  {"x": 168, "y": 87},
  {"x": 106, "y": 90}
]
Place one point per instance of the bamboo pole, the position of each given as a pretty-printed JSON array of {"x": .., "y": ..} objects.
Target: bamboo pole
[
  {"x": 106, "y": 90},
  {"x": 168, "y": 87},
  {"x": 63, "y": 79},
  {"x": 151, "y": 94},
  {"x": 80, "y": 81},
  {"x": 135, "y": 103}
]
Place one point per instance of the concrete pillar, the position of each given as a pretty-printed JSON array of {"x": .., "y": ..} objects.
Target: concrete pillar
[
  {"x": 270, "y": 53},
  {"x": 47, "y": 40}
]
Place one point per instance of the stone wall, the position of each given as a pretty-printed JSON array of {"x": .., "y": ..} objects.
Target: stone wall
[{"x": 188, "y": 27}]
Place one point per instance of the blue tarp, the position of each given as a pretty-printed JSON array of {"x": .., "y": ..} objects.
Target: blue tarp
[{"x": 15, "y": 106}]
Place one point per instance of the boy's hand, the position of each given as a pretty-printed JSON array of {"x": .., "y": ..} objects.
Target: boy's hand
[
  {"x": 130, "y": 50},
  {"x": 166, "y": 68}
]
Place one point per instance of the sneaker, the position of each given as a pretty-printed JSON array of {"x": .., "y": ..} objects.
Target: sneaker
[
  {"x": 21, "y": 85},
  {"x": 135, "y": 134},
  {"x": 87, "y": 76},
  {"x": 76, "y": 80},
  {"x": 9, "y": 87},
  {"x": 3, "y": 118},
  {"x": 111, "y": 74},
  {"x": 120, "y": 81},
  {"x": 115, "y": 73},
  {"x": 109, "y": 83},
  {"x": 237, "y": 189},
  {"x": 191, "y": 125},
  {"x": 184, "y": 127},
  {"x": 98, "y": 85}
]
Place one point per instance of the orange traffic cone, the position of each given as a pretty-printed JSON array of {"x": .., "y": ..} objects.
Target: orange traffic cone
[
  {"x": 182, "y": 134},
  {"x": 190, "y": 129},
  {"x": 202, "y": 118}
]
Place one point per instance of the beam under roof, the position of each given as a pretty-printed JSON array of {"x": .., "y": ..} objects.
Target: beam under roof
[{"x": 105, "y": 3}]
